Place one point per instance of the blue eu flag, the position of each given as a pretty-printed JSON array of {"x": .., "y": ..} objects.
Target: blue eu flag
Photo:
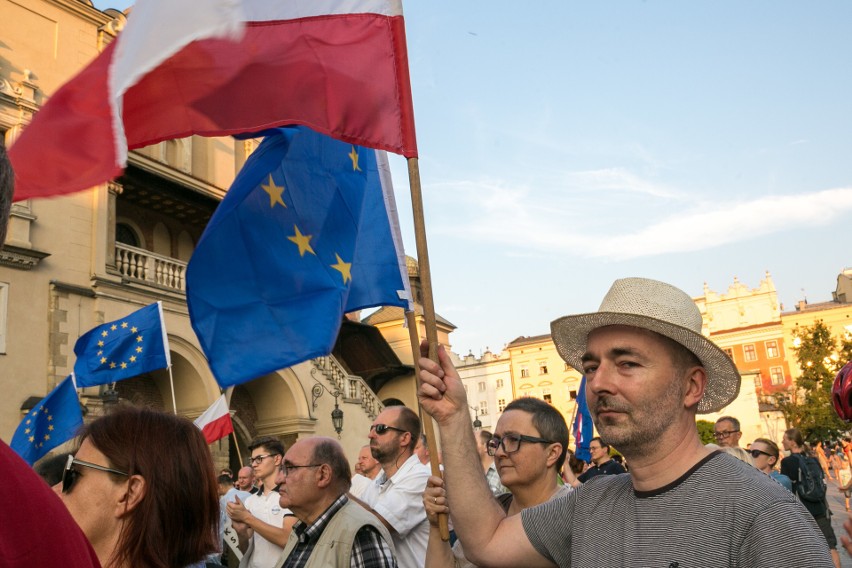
[
  {"x": 123, "y": 348},
  {"x": 51, "y": 422},
  {"x": 583, "y": 427},
  {"x": 302, "y": 237}
]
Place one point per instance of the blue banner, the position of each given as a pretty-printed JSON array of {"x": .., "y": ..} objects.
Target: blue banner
[
  {"x": 583, "y": 426},
  {"x": 51, "y": 422}
]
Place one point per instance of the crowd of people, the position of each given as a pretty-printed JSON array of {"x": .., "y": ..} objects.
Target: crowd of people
[{"x": 141, "y": 490}]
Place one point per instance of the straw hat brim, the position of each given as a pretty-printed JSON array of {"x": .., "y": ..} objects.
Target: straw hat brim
[{"x": 570, "y": 333}]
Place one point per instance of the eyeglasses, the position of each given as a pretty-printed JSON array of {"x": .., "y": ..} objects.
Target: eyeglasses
[
  {"x": 382, "y": 428},
  {"x": 70, "y": 475},
  {"x": 511, "y": 443},
  {"x": 724, "y": 435},
  {"x": 756, "y": 453},
  {"x": 261, "y": 457},
  {"x": 286, "y": 468}
]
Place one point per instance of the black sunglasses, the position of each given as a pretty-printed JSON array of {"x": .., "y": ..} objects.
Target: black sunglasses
[
  {"x": 382, "y": 428},
  {"x": 756, "y": 453},
  {"x": 70, "y": 475}
]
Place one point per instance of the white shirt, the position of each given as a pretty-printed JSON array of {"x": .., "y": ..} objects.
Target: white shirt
[
  {"x": 400, "y": 501},
  {"x": 359, "y": 485},
  {"x": 266, "y": 508}
]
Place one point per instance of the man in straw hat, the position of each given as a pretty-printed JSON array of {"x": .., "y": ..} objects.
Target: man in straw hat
[{"x": 649, "y": 371}]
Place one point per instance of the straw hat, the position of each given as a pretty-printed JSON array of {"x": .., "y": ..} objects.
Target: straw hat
[{"x": 661, "y": 308}]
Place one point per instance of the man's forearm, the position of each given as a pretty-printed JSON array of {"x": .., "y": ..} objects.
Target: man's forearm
[{"x": 275, "y": 535}]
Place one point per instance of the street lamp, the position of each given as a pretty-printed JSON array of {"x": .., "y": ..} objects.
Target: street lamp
[
  {"x": 477, "y": 423},
  {"x": 336, "y": 414}
]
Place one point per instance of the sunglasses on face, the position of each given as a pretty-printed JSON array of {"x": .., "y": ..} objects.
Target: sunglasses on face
[
  {"x": 382, "y": 428},
  {"x": 757, "y": 453},
  {"x": 511, "y": 443},
  {"x": 70, "y": 475}
]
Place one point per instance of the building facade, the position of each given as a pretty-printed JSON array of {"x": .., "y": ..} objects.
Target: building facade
[{"x": 73, "y": 262}]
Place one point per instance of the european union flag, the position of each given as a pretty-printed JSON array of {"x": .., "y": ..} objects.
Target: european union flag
[
  {"x": 51, "y": 422},
  {"x": 583, "y": 427},
  {"x": 122, "y": 348},
  {"x": 302, "y": 237}
]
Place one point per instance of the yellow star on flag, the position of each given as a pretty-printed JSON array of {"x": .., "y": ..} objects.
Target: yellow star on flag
[
  {"x": 49, "y": 418},
  {"x": 104, "y": 333},
  {"x": 27, "y": 431},
  {"x": 133, "y": 358},
  {"x": 134, "y": 329},
  {"x": 103, "y": 360},
  {"x": 139, "y": 339},
  {"x": 47, "y": 436},
  {"x": 123, "y": 365},
  {"x": 50, "y": 427},
  {"x": 114, "y": 327},
  {"x": 124, "y": 325},
  {"x": 100, "y": 343},
  {"x": 274, "y": 192},
  {"x": 302, "y": 241},
  {"x": 345, "y": 268},
  {"x": 353, "y": 155},
  {"x": 31, "y": 438},
  {"x": 112, "y": 365},
  {"x": 139, "y": 349}
]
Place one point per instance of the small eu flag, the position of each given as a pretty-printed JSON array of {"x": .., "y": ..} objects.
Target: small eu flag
[
  {"x": 122, "y": 348},
  {"x": 51, "y": 422},
  {"x": 583, "y": 428},
  {"x": 302, "y": 237}
]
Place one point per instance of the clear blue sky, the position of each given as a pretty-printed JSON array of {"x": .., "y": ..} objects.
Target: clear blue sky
[{"x": 566, "y": 144}]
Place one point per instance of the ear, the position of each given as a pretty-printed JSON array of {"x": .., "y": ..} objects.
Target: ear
[
  {"x": 324, "y": 475},
  {"x": 553, "y": 453},
  {"x": 134, "y": 492},
  {"x": 772, "y": 460},
  {"x": 696, "y": 382}
]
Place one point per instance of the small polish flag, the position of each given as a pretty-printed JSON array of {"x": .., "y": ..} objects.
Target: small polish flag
[{"x": 215, "y": 423}]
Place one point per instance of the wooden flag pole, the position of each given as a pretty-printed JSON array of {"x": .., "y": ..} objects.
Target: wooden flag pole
[
  {"x": 428, "y": 428},
  {"x": 428, "y": 312}
]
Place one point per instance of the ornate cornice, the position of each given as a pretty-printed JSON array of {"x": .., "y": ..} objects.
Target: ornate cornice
[{"x": 20, "y": 258}]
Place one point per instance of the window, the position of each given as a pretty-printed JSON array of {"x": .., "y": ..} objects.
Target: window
[
  {"x": 771, "y": 349},
  {"x": 548, "y": 399},
  {"x": 501, "y": 404},
  {"x": 481, "y": 386},
  {"x": 483, "y": 408},
  {"x": 729, "y": 352},
  {"x": 525, "y": 372},
  {"x": 542, "y": 367},
  {"x": 499, "y": 383},
  {"x": 776, "y": 375},
  {"x": 573, "y": 395},
  {"x": 750, "y": 353},
  {"x": 125, "y": 234}
]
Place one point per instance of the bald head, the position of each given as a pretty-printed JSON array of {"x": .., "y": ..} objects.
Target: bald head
[{"x": 245, "y": 478}]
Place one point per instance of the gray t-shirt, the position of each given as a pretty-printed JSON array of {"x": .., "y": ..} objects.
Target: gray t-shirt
[{"x": 722, "y": 512}]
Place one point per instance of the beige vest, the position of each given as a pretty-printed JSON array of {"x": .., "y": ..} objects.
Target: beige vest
[{"x": 334, "y": 547}]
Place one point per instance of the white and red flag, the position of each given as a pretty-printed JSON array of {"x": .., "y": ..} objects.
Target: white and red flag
[
  {"x": 215, "y": 423},
  {"x": 215, "y": 68}
]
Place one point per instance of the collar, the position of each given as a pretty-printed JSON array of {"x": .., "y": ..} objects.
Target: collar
[
  {"x": 406, "y": 466},
  {"x": 308, "y": 533}
]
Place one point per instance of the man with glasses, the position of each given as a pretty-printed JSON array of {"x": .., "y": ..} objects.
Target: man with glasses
[
  {"x": 727, "y": 432},
  {"x": 331, "y": 530},
  {"x": 395, "y": 496},
  {"x": 649, "y": 370},
  {"x": 262, "y": 525},
  {"x": 603, "y": 464},
  {"x": 765, "y": 454}
]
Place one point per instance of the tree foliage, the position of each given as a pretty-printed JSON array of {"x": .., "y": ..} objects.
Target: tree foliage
[
  {"x": 705, "y": 431},
  {"x": 807, "y": 406}
]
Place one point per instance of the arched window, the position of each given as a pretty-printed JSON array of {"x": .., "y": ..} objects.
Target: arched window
[{"x": 125, "y": 234}]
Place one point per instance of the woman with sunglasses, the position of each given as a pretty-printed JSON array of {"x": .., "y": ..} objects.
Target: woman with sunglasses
[
  {"x": 529, "y": 449},
  {"x": 765, "y": 454},
  {"x": 142, "y": 487}
]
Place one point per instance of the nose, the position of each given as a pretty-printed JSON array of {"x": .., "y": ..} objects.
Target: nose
[
  {"x": 372, "y": 434},
  {"x": 603, "y": 380},
  {"x": 280, "y": 478},
  {"x": 57, "y": 488}
]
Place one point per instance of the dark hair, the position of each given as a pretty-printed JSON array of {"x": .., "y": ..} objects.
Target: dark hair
[
  {"x": 329, "y": 451},
  {"x": 410, "y": 422},
  {"x": 7, "y": 190},
  {"x": 485, "y": 436},
  {"x": 604, "y": 445},
  {"x": 176, "y": 521},
  {"x": 734, "y": 422},
  {"x": 795, "y": 435},
  {"x": 547, "y": 420},
  {"x": 51, "y": 468},
  {"x": 270, "y": 443},
  {"x": 575, "y": 464},
  {"x": 224, "y": 479}
]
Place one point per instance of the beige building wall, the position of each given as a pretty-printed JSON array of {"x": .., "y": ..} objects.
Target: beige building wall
[{"x": 488, "y": 383}]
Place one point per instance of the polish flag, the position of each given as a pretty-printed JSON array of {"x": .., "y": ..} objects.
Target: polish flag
[
  {"x": 215, "y": 68},
  {"x": 215, "y": 423}
]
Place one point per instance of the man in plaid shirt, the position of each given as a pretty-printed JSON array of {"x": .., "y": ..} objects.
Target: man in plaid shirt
[{"x": 332, "y": 530}]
